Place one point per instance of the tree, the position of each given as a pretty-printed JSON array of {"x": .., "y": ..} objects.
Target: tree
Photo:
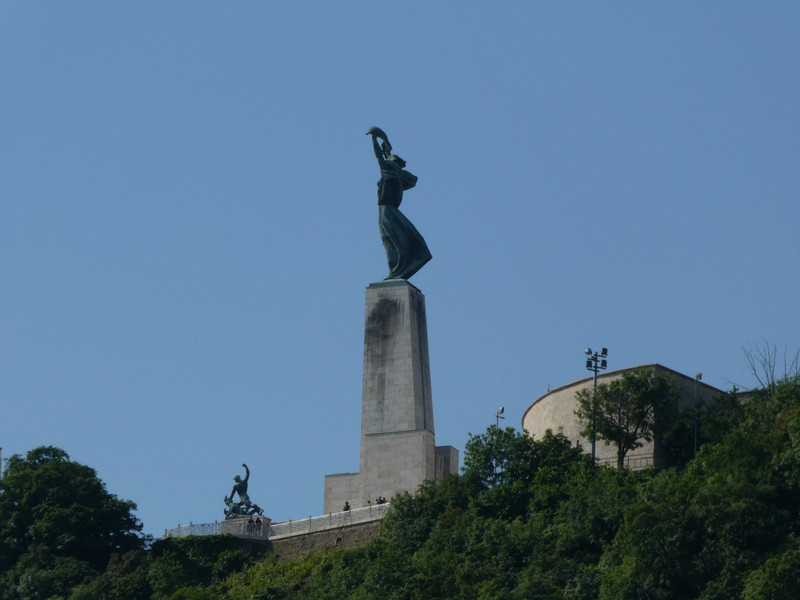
[
  {"x": 724, "y": 527},
  {"x": 628, "y": 410},
  {"x": 776, "y": 578},
  {"x": 763, "y": 363},
  {"x": 499, "y": 456},
  {"x": 58, "y": 524}
]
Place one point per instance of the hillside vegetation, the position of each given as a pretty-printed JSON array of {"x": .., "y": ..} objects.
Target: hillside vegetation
[{"x": 526, "y": 519}]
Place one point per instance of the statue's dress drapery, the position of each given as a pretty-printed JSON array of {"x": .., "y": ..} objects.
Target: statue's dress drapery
[{"x": 406, "y": 250}]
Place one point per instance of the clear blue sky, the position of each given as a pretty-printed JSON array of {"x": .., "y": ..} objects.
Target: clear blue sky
[{"x": 189, "y": 219}]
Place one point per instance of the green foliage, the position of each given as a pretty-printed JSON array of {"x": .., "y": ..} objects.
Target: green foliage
[
  {"x": 503, "y": 465},
  {"x": 35, "y": 579},
  {"x": 629, "y": 409},
  {"x": 62, "y": 535},
  {"x": 721, "y": 416},
  {"x": 526, "y": 519},
  {"x": 58, "y": 525},
  {"x": 776, "y": 578},
  {"x": 722, "y": 524},
  {"x": 269, "y": 579},
  {"x": 173, "y": 568},
  {"x": 124, "y": 579},
  {"x": 498, "y": 456},
  {"x": 532, "y": 519},
  {"x": 477, "y": 535}
]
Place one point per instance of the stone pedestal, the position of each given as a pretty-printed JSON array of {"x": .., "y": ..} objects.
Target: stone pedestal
[
  {"x": 398, "y": 451},
  {"x": 243, "y": 527}
]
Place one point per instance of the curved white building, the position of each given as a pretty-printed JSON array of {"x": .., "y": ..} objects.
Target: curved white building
[{"x": 556, "y": 411}]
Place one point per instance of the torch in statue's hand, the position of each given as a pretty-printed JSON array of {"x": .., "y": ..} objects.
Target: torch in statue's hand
[{"x": 377, "y": 132}]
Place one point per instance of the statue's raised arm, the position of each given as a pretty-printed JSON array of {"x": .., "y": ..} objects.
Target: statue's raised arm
[{"x": 382, "y": 150}]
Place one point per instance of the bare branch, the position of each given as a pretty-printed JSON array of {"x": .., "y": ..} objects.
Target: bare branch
[
  {"x": 761, "y": 360},
  {"x": 763, "y": 363}
]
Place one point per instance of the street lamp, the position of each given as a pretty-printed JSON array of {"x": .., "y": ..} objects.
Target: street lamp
[
  {"x": 697, "y": 378},
  {"x": 595, "y": 362},
  {"x": 497, "y": 417}
]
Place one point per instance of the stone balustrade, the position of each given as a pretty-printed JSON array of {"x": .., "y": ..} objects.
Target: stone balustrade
[{"x": 241, "y": 527}]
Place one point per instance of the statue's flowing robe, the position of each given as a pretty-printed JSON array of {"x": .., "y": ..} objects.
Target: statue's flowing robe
[{"x": 406, "y": 250}]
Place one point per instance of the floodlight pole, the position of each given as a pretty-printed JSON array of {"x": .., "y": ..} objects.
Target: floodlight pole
[
  {"x": 697, "y": 378},
  {"x": 595, "y": 361}
]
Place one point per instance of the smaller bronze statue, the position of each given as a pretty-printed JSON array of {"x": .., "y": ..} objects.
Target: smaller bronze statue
[
  {"x": 243, "y": 507},
  {"x": 406, "y": 251}
]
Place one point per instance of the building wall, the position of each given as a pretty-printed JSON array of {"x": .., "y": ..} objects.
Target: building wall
[
  {"x": 351, "y": 536},
  {"x": 556, "y": 411},
  {"x": 446, "y": 462},
  {"x": 396, "y": 463},
  {"x": 341, "y": 488}
]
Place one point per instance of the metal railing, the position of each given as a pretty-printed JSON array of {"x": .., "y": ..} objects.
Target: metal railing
[
  {"x": 329, "y": 521},
  {"x": 292, "y": 527},
  {"x": 180, "y": 531},
  {"x": 634, "y": 462}
]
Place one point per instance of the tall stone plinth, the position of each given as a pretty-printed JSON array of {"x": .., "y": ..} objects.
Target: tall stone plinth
[{"x": 398, "y": 449}]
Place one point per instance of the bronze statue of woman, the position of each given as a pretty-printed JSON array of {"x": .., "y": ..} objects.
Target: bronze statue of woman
[{"x": 406, "y": 251}]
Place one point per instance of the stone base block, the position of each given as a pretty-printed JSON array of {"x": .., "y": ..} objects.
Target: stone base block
[
  {"x": 254, "y": 527},
  {"x": 341, "y": 488}
]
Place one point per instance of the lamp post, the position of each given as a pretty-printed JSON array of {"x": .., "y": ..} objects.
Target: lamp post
[
  {"x": 697, "y": 378},
  {"x": 595, "y": 362},
  {"x": 497, "y": 417}
]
